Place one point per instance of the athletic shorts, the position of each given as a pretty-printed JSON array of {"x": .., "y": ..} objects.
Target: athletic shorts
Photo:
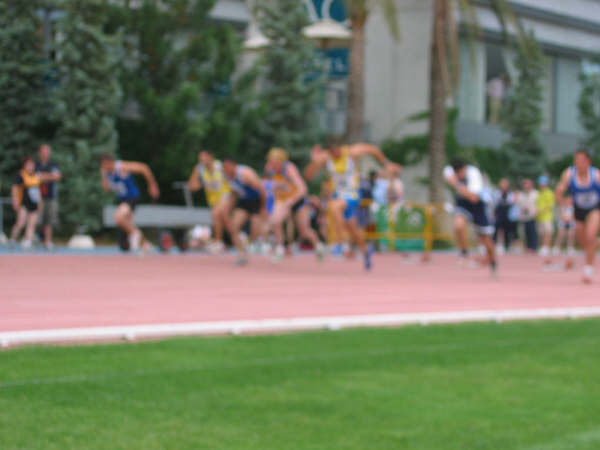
[
  {"x": 545, "y": 227},
  {"x": 565, "y": 225},
  {"x": 299, "y": 205},
  {"x": 30, "y": 206},
  {"x": 132, "y": 202},
  {"x": 581, "y": 214},
  {"x": 477, "y": 214},
  {"x": 49, "y": 215},
  {"x": 251, "y": 205},
  {"x": 351, "y": 210}
]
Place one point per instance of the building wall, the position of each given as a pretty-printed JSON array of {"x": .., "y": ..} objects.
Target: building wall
[{"x": 397, "y": 72}]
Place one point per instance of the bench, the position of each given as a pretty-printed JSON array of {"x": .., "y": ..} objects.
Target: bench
[
  {"x": 165, "y": 216},
  {"x": 162, "y": 216}
]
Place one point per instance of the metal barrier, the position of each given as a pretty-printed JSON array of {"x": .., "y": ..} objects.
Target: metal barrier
[{"x": 393, "y": 231}]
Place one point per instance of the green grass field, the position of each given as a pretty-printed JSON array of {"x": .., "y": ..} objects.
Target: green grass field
[{"x": 475, "y": 386}]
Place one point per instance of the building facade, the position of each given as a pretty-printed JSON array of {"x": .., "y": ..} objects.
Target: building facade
[{"x": 397, "y": 73}]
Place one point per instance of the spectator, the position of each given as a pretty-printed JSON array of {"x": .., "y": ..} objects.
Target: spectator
[
  {"x": 566, "y": 228},
  {"x": 496, "y": 89},
  {"x": 49, "y": 190},
  {"x": 528, "y": 212},
  {"x": 504, "y": 201},
  {"x": 545, "y": 216},
  {"x": 26, "y": 201}
]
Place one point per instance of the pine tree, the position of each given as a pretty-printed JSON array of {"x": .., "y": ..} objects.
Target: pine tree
[
  {"x": 23, "y": 103},
  {"x": 589, "y": 110},
  {"x": 178, "y": 88},
  {"x": 88, "y": 99},
  {"x": 522, "y": 116},
  {"x": 290, "y": 95}
]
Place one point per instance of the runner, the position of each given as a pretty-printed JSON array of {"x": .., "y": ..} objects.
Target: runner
[
  {"x": 208, "y": 174},
  {"x": 117, "y": 176},
  {"x": 26, "y": 198},
  {"x": 467, "y": 182},
  {"x": 341, "y": 163},
  {"x": 583, "y": 182},
  {"x": 291, "y": 202},
  {"x": 250, "y": 203}
]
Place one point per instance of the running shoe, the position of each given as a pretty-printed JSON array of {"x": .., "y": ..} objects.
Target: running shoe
[
  {"x": 278, "y": 254},
  {"x": 588, "y": 274},
  {"x": 320, "y": 249}
]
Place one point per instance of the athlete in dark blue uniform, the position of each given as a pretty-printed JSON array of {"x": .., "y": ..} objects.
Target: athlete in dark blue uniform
[
  {"x": 250, "y": 203},
  {"x": 117, "y": 177},
  {"x": 470, "y": 207},
  {"x": 583, "y": 182}
]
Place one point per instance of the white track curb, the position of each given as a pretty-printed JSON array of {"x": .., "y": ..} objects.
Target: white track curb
[{"x": 133, "y": 332}]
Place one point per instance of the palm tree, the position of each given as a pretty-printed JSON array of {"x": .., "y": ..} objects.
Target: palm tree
[
  {"x": 445, "y": 70},
  {"x": 358, "y": 13}
]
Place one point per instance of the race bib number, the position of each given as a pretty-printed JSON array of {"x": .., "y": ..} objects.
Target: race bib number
[
  {"x": 34, "y": 194},
  {"x": 214, "y": 186},
  {"x": 587, "y": 200},
  {"x": 118, "y": 187}
]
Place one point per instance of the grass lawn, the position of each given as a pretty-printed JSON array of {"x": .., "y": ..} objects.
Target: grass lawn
[{"x": 529, "y": 385}]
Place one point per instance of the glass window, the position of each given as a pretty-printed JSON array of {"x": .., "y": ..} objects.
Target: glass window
[
  {"x": 568, "y": 88},
  {"x": 470, "y": 97}
]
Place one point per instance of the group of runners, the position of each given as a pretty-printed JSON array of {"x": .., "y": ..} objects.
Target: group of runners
[{"x": 237, "y": 194}]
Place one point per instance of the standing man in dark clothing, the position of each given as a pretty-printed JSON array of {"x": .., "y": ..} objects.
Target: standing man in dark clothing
[
  {"x": 504, "y": 201},
  {"x": 49, "y": 190}
]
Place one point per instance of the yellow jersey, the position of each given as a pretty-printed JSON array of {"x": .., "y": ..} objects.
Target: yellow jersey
[
  {"x": 545, "y": 206},
  {"x": 283, "y": 186},
  {"x": 214, "y": 182},
  {"x": 29, "y": 188}
]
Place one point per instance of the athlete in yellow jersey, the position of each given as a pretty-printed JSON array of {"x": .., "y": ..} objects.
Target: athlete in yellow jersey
[
  {"x": 209, "y": 174},
  {"x": 291, "y": 200},
  {"x": 341, "y": 162}
]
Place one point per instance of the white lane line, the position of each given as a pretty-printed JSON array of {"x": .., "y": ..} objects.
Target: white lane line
[{"x": 132, "y": 332}]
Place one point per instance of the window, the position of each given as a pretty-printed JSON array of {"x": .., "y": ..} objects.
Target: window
[{"x": 567, "y": 88}]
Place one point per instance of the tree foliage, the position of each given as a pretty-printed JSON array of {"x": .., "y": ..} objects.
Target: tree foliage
[
  {"x": 522, "y": 116},
  {"x": 589, "y": 110},
  {"x": 87, "y": 101},
  {"x": 289, "y": 96},
  {"x": 178, "y": 85},
  {"x": 24, "y": 103}
]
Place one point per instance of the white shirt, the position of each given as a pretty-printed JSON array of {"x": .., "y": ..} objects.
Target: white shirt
[
  {"x": 527, "y": 202},
  {"x": 474, "y": 179},
  {"x": 495, "y": 88}
]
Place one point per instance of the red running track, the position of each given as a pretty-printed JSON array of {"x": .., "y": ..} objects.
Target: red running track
[{"x": 40, "y": 292}]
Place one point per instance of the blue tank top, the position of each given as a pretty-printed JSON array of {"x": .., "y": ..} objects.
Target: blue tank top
[
  {"x": 123, "y": 187},
  {"x": 585, "y": 197},
  {"x": 243, "y": 191}
]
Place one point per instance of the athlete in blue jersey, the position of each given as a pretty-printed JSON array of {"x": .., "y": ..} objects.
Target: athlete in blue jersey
[
  {"x": 117, "y": 177},
  {"x": 250, "y": 203},
  {"x": 583, "y": 182}
]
